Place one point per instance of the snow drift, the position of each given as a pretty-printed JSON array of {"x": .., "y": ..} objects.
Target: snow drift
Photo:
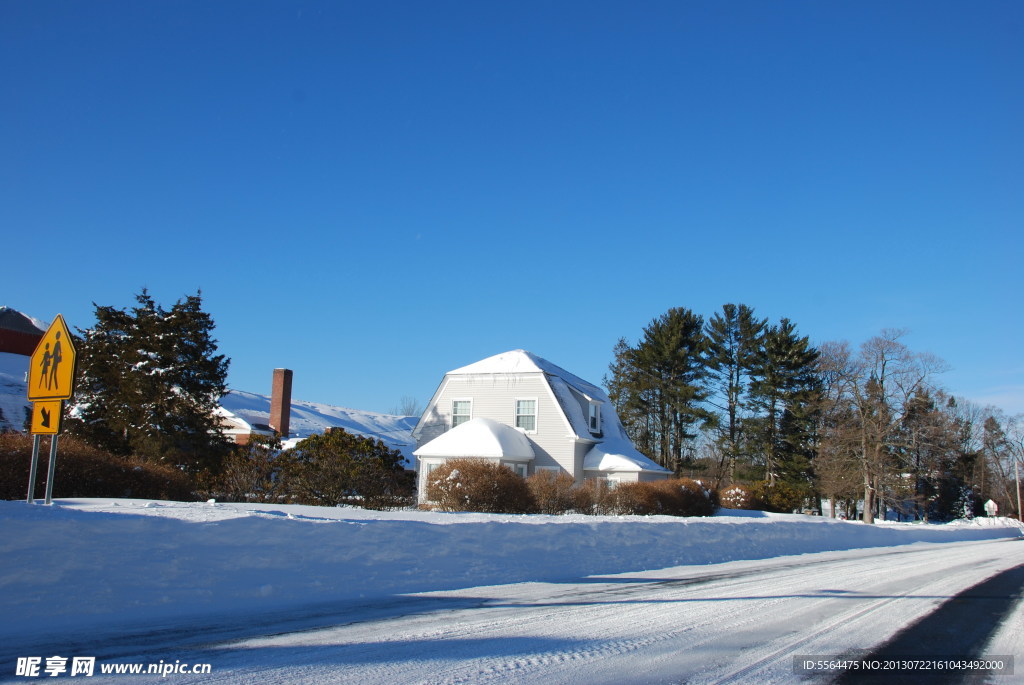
[{"x": 84, "y": 564}]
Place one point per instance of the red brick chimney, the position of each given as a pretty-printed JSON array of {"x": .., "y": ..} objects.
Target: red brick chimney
[{"x": 281, "y": 401}]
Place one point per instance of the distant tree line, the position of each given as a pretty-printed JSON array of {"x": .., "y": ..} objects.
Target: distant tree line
[{"x": 736, "y": 399}]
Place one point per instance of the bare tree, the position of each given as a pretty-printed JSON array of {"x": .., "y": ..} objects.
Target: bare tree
[
  {"x": 875, "y": 387},
  {"x": 407, "y": 406},
  {"x": 1002, "y": 441},
  {"x": 1015, "y": 434}
]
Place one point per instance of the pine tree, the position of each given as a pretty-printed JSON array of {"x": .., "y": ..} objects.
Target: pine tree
[
  {"x": 149, "y": 384},
  {"x": 734, "y": 337},
  {"x": 626, "y": 388},
  {"x": 926, "y": 446},
  {"x": 784, "y": 391},
  {"x": 660, "y": 385}
]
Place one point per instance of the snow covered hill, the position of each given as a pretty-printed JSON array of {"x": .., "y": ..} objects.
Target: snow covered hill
[
  {"x": 14, "y": 406},
  {"x": 94, "y": 564}
]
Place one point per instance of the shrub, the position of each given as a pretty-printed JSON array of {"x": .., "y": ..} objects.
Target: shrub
[
  {"x": 781, "y": 497},
  {"x": 84, "y": 471},
  {"x": 670, "y": 497},
  {"x": 552, "y": 491},
  {"x": 737, "y": 497},
  {"x": 339, "y": 467},
  {"x": 594, "y": 497},
  {"x": 478, "y": 485},
  {"x": 250, "y": 473}
]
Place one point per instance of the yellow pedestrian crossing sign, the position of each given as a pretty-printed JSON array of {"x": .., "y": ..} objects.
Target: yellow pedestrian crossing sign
[{"x": 51, "y": 373}]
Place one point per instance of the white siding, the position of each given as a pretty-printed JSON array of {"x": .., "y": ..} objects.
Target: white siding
[
  {"x": 494, "y": 397},
  {"x": 619, "y": 476},
  {"x": 581, "y": 452}
]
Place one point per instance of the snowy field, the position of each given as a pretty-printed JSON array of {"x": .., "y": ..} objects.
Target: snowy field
[{"x": 91, "y": 567}]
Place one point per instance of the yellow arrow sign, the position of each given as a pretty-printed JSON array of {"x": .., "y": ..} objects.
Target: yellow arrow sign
[
  {"x": 46, "y": 417},
  {"x": 51, "y": 373}
]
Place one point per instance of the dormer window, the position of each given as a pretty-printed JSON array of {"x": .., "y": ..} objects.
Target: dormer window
[
  {"x": 462, "y": 411},
  {"x": 595, "y": 417}
]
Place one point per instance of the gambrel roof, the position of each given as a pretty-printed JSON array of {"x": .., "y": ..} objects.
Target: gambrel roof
[{"x": 612, "y": 451}]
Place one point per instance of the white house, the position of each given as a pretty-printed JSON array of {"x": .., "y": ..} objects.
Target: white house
[{"x": 527, "y": 413}]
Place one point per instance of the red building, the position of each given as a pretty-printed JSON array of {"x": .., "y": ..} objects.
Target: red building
[{"x": 18, "y": 335}]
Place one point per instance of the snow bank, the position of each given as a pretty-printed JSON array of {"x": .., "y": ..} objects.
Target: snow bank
[
  {"x": 13, "y": 391},
  {"x": 93, "y": 563}
]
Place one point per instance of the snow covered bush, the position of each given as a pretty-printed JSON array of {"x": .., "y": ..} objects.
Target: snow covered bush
[
  {"x": 84, "y": 471},
  {"x": 478, "y": 485},
  {"x": 553, "y": 491},
  {"x": 737, "y": 497}
]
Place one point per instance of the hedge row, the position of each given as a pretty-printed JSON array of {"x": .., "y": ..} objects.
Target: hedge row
[
  {"x": 84, "y": 471},
  {"x": 485, "y": 486},
  {"x": 778, "y": 497}
]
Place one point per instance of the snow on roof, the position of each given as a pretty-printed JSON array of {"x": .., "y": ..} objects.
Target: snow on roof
[
  {"x": 522, "y": 361},
  {"x": 616, "y": 455},
  {"x": 614, "y": 450},
  {"x": 479, "y": 437},
  {"x": 13, "y": 320},
  {"x": 560, "y": 380},
  {"x": 309, "y": 418}
]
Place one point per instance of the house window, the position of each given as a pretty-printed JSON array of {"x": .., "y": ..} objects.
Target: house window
[
  {"x": 526, "y": 415},
  {"x": 426, "y": 468},
  {"x": 520, "y": 469},
  {"x": 595, "y": 417},
  {"x": 462, "y": 411}
]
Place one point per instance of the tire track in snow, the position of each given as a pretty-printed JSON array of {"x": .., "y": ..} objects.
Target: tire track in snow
[{"x": 740, "y": 618}]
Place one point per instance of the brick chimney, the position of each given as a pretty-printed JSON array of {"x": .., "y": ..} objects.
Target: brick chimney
[{"x": 281, "y": 401}]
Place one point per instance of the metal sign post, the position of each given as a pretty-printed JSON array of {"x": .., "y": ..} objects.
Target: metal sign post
[
  {"x": 1016, "y": 476},
  {"x": 32, "y": 470},
  {"x": 51, "y": 471}
]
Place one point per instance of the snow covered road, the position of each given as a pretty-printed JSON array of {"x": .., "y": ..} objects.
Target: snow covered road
[{"x": 738, "y": 622}]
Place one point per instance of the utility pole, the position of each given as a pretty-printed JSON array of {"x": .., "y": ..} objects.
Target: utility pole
[{"x": 1016, "y": 477}]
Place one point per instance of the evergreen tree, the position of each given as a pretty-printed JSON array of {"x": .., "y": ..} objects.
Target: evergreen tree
[
  {"x": 339, "y": 467},
  {"x": 626, "y": 388},
  {"x": 149, "y": 384},
  {"x": 926, "y": 446},
  {"x": 734, "y": 337},
  {"x": 784, "y": 392},
  {"x": 660, "y": 385}
]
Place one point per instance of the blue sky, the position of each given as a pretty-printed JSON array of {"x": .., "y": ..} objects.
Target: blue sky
[{"x": 373, "y": 193}]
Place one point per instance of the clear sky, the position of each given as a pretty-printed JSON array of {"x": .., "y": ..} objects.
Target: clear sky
[{"x": 372, "y": 193}]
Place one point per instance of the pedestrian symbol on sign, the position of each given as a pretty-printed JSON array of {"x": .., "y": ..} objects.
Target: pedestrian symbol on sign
[{"x": 52, "y": 373}]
